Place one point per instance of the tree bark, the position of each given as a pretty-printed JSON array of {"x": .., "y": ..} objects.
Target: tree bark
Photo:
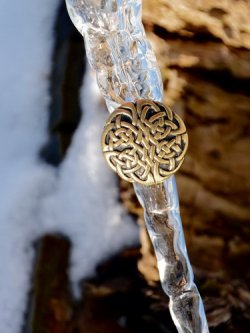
[{"x": 203, "y": 49}]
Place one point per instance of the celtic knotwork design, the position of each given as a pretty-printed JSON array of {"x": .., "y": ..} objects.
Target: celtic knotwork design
[{"x": 144, "y": 142}]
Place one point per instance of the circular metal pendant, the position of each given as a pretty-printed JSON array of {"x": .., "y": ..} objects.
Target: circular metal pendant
[{"x": 144, "y": 142}]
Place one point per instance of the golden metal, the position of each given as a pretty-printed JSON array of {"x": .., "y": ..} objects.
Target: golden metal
[{"x": 144, "y": 142}]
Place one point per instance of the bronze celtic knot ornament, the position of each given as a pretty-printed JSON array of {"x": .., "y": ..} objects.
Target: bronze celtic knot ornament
[{"x": 144, "y": 142}]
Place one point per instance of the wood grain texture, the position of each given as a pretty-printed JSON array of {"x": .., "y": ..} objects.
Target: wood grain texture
[{"x": 203, "y": 49}]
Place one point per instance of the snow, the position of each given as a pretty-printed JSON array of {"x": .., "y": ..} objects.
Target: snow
[
  {"x": 86, "y": 193},
  {"x": 78, "y": 199}
]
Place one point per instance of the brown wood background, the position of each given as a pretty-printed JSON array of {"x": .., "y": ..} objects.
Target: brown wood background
[{"x": 203, "y": 49}]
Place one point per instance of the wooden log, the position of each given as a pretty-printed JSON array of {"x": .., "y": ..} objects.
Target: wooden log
[{"x": 50, "y": 306}]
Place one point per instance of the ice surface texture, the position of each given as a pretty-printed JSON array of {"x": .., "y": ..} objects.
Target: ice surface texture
[
  {"x": 163, "y": 221},
  {"x": 117, "y": 49},
  {"x": 127, "y": 70}
]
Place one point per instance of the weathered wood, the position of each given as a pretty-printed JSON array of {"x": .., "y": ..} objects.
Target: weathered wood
[
  {"x": 203, "y": 49},
  {"x": 119, "y": 300},
  {"x": 50, "y": 307}
]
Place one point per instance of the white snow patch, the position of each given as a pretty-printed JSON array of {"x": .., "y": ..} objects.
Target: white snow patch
[
  {"x": 85, "y": 203},
  {"x": 80, "y": 198}
]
